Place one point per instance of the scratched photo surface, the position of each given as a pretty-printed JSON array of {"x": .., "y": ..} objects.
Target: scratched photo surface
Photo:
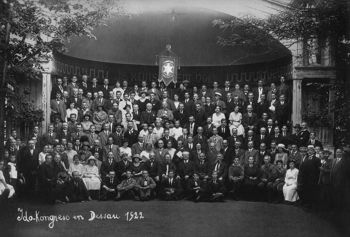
[{"x": 249, "y": 115}]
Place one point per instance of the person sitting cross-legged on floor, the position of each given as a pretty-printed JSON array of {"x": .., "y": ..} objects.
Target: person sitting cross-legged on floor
[
  {"x": 144, "y": 186},
  {"x": 109, "y": 186},
  {"x": 126, "y": 187},
  {"x": 76, "y": 189},
  {"x": 171, "y": 189},
  {"x": 196, "y": 189}
]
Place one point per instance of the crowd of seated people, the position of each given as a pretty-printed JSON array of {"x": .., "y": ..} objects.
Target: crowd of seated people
[{"x": 113, "y": 142}]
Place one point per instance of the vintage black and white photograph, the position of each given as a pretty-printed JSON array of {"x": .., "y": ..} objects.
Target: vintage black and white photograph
[{"x": 175, "y": 118}]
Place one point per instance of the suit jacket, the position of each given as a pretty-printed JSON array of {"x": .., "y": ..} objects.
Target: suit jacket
[
  {"x": 136, "y": 148},
  {"x": 104, "y": 137},
  {"x": 131, "y": 136},
  {"x": 201, "y": 140},
  {"x": 309, "y": 171},
  {"x": 148, "y": 117},
  {"x": 27, "y": 163},
  {"x": 315, "y": 143},
  {"x": 166, "y": 167},
  {"x": 222, "y": 171},
  {"x": 199, "y": 117},
  {"x": 202, "y": 168},
  {"x": 208, "y": 130},
  {"x": 176, "y": 184},
  {"x": 106, "y": 167},
  {"x": 97, "y": 102},
  {"x": 156, "y": 105},
  {"x": 232, "y": 140},
  {"x": 118, "y": 138},
  {"x": 114, "y": 149},
  {"x": 209, "y": 110},
  {"x": 55, "y": 90},
  {"x": 110, "y": 183},
  {"x": 58, "y": 109},
  {"x": 181, "y": 116},
  {"x": 225, "y": 134},
  {"x": 189, "y": 107},
  {"x": 153, "y": 168},
  {"x": 106, "y": 91},
  {"x": 77, "y": 101},
  {"x": 71, "y": 87},
  {"x": 185, "y": 169},
  {"x": 77, "y": 190},
  {"x": 122, "y": 168}
]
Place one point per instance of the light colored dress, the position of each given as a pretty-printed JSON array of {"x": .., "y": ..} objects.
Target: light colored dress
[
  {"x": 73, "y": 167},
  {"x": 290, "y": 186},
  {"x": 216, "y": 119},
  {"x": 235, "y": 118},
  {"x": 2, "y": 185},
  {"x": 91, "y": 177}
]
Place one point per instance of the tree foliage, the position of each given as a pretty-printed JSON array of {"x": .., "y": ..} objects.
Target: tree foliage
[{"x": 38, "y": 27}]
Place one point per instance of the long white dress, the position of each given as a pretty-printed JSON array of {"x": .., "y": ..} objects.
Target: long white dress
[
  {"x": 290, "y": 186},
  {"x": 91, "y": 177},
  {"x": 2, "y": 185}
]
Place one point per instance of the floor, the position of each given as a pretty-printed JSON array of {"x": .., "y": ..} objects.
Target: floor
[{"x": 160, "y": 218}]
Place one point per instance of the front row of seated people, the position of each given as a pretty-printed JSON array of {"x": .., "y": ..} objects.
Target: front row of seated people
[{"x": 147, "y": 180}]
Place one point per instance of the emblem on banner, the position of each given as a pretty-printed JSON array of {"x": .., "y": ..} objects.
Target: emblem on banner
[{"x": 168, "y": 65}]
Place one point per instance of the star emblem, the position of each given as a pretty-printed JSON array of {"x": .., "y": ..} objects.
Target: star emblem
[{"x": 168, "y": 68}]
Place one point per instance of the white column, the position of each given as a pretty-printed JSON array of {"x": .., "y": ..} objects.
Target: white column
[
  {"x": 45, "y": 100},
  {"x": 46, "y": 91},
  {"x": 297, "y": 98}
]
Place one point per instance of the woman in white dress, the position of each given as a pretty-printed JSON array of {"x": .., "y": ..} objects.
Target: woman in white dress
[
  {"x": 3, "y": 185},
  {"x": 125, "y": 149},
  {"x": 217, "y": 117},
  {"x": 236, "y": 121},
  {"x": 71, "y": 110},
  {"x": 291, "y": 182},
  {"x": 91, "y": 177},
  {"x": 76, "y": 166}
]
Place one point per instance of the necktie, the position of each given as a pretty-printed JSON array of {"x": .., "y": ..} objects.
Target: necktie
[
  {"x": 223, "y": 130},
  {"x": 167, "y": 170}
]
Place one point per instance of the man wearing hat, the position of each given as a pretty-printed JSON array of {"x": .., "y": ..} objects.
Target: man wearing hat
[{"x": 219, "y": 102}]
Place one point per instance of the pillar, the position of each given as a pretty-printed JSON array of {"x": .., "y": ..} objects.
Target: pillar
[
  {"x": 297, "y": 97},
  {"x": 46, "y": 91}
]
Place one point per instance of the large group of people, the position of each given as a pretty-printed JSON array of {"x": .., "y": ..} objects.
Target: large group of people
[{"x": 113, "y": 142}]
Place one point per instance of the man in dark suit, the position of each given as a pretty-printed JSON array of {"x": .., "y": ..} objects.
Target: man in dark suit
[
  {"x": 118, "y": 136},
  {"x": 106, "y": 88},
  {"x": 191, "y": 125},
  {"x": 303, "y": 135},
  {"x": 196, "y": 189},
  {"x": 171, "y": 189},
  {"x": 189, "y": 106},
  {"x": 131, "y": 134},
  {"x": 202, "y": 167},
  {"x": 199, "y": 115},
  {"x": 282, "y": 111},
  {"x": 216, "y": 188},
  {"x": 148, "y": 116},
  {"x": 220, "y": 167},
  {"x": 223, "y": 129},
  {"x": 185, "y": 168},
  {"x": 57, "y": 88},
  {"x": 108, "y": 165},
  {"x": 76, "y": 189},
  {"x": 200, "y": 138},
  {"x": 99, "y": 101},
  {"x": 258, "y": 91},
  {"x": 153, "y": 167},
  {"x": 234, "y": 138},
  {"x": 28, "y": 166},
  {"x": 181, "y": 115},
  {"x": 123, "y": 166},
  {"x": 165, "y": 167},
  {"x": 208, "y": 128},
  {"x": 313, "y": 141},
  {"x": 167, "y": 138},
  {"x": 262, "y": 106},
  {"x": 109, "y": 186},
  {"x": 308, "y": 177}
]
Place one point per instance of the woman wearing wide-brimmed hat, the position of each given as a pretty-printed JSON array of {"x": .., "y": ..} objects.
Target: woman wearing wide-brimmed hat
[
  {"x": 281, "y": 154},
  {"x": 91, "y": 177}
]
